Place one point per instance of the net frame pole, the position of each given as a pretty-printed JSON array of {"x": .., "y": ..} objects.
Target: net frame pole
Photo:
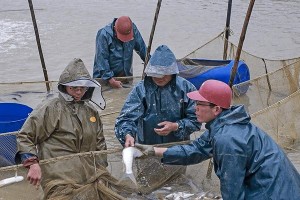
[
  {"x": 36, "y": 31},
  {"x": 241, "y": 41},
  {"x": 227, "y": 29},
  {"x": 151, "y": 36}
]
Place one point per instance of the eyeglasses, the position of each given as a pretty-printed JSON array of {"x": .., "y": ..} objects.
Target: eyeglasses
[
  {"x": 201, "y": 103},
  {"x": 78, "y": 88}
]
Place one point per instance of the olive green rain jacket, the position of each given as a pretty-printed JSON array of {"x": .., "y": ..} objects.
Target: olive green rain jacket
[{"x": 61, "y": 127}]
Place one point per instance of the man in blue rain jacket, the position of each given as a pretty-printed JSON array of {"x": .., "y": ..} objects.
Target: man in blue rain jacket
[
  {"x": 248, "y": 162},
  {"x": 114, "y": 50},
  {"x": 157, "y": 110}
]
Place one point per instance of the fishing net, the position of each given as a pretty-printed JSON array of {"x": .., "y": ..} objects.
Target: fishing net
[
  {"x": 272, "y": 83},
  {"x": 272, "y": 99},
  {"x": 189, "y": 68},
  {"x": 281, "y": 121},
  {"x": 257, "y": 65},
  {"x": 268, "y": 89}
]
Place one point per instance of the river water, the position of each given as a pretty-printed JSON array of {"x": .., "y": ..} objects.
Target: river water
[{"x": 68, "y": 29}]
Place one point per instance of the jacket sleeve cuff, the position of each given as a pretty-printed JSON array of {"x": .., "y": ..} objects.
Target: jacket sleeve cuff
[
  {"x": 108, "y": 75},
  {"x": 30, "y": 161},
  {"x": 178, "y": 132}
]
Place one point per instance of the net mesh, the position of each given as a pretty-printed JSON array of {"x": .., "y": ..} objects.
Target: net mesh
[
  {"x": 257, "y": 65},
  {"x": 271, "y": 99}
]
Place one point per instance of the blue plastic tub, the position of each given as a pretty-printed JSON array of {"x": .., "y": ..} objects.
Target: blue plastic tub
[{"x": 12, "y": 118}]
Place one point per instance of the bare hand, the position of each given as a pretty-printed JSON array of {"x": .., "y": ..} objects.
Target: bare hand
[
  {"x": 129, "y": 141},
  {"x": 115, "y": 84},
  {"x": 167, "y": 128},
  {"x": 34, "y": 174}
]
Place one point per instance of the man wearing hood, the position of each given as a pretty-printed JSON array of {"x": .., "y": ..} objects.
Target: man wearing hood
[
  {"x": 157, "y": 110},
  {"x": 67, "y": 124},
  {"x": 248, "y": 162},
  {"x": 114, "y": 50}
]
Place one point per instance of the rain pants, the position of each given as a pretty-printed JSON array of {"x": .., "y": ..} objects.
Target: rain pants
[
  {"x": 249, "y": 164},
  {"x": 113, "y": 57},
  {"x": 148, "y": 104}
]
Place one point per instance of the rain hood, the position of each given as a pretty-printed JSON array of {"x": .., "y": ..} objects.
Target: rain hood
[
  {"x": 76, "y": 75},
  {"x": 161, "y": 63}
]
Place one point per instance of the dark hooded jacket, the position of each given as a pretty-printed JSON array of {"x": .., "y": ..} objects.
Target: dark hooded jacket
[
  {"x": 249, "y": 164},
  {"x": 114, "y": 57},
  {"x": 60, "y": 127},
  {"x": 145, "y": 108}
]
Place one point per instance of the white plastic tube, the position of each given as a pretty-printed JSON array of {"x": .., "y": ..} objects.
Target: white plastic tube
[{"x": 11, "y": 180}]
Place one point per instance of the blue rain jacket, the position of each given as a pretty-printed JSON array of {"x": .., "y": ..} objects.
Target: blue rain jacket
[
  {"x": 114, "y": 57},
  {"x": 145, "y": 108},
  {"x": 249, "y": 164}
]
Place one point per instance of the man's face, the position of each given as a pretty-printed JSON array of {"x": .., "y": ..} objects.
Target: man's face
[
  {"x": 206, "y": 111},
  {"x": 163, "y": 80},
  {"x": 76, "y": 92}
]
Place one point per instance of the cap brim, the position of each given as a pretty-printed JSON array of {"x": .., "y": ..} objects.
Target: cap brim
[
  {"x": 83, "y": 83},
  {"x": 125, "y": 38},
  {"x": 195, "y": 95}
]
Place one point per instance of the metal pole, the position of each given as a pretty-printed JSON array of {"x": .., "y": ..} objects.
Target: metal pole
[
  {"x": 151, "y": 36},
  {"x": 227, "y": 29},
  {"x": 240, "y": 45},
  {"x": 39, "y": 45}
]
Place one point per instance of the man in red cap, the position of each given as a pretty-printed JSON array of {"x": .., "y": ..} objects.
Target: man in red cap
[
  {"x": 248, "y": 162},
  {"x": 114, "y": 50}
]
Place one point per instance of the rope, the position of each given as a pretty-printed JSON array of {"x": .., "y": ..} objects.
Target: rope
[
  {"x": 67, "y": 157},
  {"x": 87, "y": 154},
  {"x": 220, "y": 34}
]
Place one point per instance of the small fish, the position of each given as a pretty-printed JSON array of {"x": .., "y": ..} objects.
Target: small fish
[
  {"x": 207, "y": 196},
  {"x": 11, "y": 180},
  {"x": 128, "y": 154},
  {"x": 178, "y": 195}
]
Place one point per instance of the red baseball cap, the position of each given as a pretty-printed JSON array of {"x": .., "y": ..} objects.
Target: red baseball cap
[{"x": 123, "y": 28}]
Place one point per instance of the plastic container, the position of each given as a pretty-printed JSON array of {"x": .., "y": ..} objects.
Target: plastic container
[
  {"x": 12, "y": 118},
  {"x": 217, "y": 70}
]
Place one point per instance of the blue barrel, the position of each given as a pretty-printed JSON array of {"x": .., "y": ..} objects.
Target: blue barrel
[
  {"x": 12, "y": 118},
  {"x": 219, "y": 70}
]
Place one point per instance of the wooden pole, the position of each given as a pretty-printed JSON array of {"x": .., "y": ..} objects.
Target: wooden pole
[
  {"x": 227, "y": 29},
  {"x": 240, "y": 45},
  {"x": 151, "y": 36},
  {"x": 39, "y": 44}
]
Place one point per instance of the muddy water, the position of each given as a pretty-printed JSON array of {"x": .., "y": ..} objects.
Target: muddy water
[{"x": 68, "y": 28}]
